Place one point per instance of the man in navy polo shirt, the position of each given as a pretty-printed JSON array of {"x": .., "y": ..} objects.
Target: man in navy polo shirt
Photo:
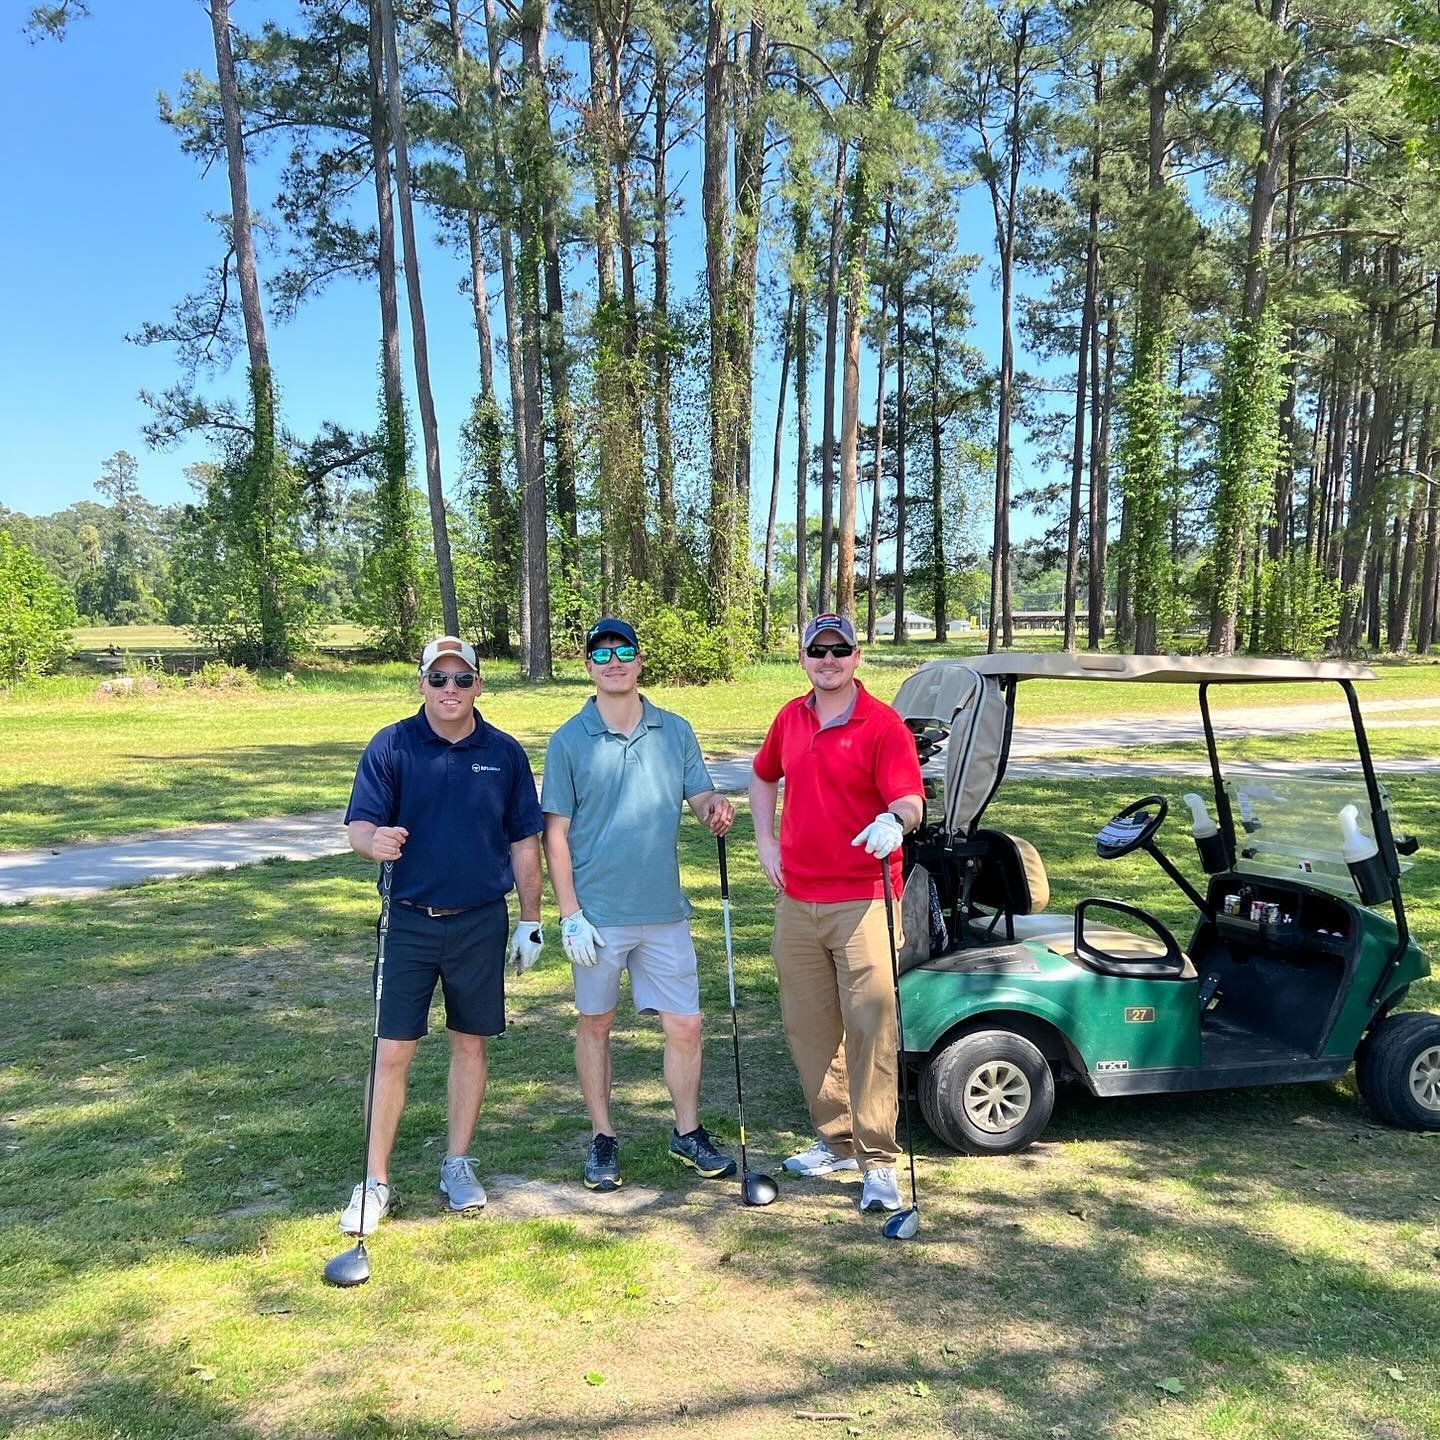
[
  {"x": 451, "y": 801},
  {"x": 617, "y": 777}
]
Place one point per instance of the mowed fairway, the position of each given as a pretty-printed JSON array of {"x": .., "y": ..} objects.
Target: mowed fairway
[
  {"x": 82, "y": 764},
  {"x": 180, "y": 1098}
]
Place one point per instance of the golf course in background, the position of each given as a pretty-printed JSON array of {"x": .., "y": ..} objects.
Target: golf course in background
[{"x": 179, "y": 1123}]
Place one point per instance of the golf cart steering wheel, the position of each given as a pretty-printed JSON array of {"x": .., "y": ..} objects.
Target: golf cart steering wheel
[{"x": 1132, "y": 828}]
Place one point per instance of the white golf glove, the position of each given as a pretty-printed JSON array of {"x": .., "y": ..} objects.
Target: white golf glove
[
  {"x": 881, "y": 836},
  {"x": 580, "y": 939},
  {"x": 525, "y": 945}
]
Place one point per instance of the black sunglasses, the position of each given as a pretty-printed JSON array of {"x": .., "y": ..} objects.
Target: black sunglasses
[
  {"x": 601, "y": 653},
  {"x": 439, "y": 679},
  {"x": 842, "y": 651}
]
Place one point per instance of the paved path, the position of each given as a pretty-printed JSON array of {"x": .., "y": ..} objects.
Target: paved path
[{"x": 93, "y": 867}]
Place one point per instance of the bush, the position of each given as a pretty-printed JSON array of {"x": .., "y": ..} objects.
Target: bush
[
  {"x": 682, "y": 647},
  {"x": 36, "y": 612}
]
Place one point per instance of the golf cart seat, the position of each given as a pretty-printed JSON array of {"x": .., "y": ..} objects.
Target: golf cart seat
[{"x": 1010, "y": 875}]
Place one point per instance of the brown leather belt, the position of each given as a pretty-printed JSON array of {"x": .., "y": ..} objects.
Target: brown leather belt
[{"x": 435, "y": 912}]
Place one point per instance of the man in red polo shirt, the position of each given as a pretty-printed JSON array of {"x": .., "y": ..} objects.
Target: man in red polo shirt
[{"x": 852, "y": 790}]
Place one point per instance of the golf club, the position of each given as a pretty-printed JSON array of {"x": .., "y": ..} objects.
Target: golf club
[
  {"x": 903, "y": 1224},
  {"x": 755, "y": 1188},
  {"x": 352, "y": 1267}
]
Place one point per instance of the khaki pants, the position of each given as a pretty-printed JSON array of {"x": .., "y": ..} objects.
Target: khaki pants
[{"x": 837, "y": 1002}]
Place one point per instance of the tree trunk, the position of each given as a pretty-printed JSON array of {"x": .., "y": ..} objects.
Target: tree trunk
[
  {"x": 501, "y": 537},
  {"x": 715, "y": 209},
  {"x": 1001, "y": 619},
  {"x": 429, "y": 430},
  {"x": 1430, "y": 570},
  {"x": 1088, "y": 327},
  {"x": 858, "y": 236},
  {"x": 661, "y": 341},
  {"x": 897, "y": 636},
  {"x": 877, "y": 466},
  {"x": 802, "y": 437},
  {"x": 788, "y": 346},
  {"x": 1362, "y": 506},
  {"x": 937, "y": 491},
  {"x": 827, "y": 436},
  {"x": 749, "y": 179},
  {"x": 534, "y": 174},
  {"x": 521, "y": 422}
]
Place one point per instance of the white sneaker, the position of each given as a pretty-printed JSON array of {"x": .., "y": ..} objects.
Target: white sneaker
[
  {"x": 377, "y": 1206},
  {"x": 819, "y": 1159},
  {"x": 880, "y": 1191}
]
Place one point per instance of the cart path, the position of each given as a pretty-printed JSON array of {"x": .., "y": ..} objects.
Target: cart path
[{"x": 92, "y": 867}]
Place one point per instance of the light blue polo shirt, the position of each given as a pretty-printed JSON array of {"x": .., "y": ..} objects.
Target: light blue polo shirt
[{"x": 624, "y": 795}]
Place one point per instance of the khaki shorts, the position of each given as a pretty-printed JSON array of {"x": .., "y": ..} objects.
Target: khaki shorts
[{"x": 661, "y": 961}]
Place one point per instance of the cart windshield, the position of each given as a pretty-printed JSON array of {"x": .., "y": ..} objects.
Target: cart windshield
[{"x": 1288, "y": 828}]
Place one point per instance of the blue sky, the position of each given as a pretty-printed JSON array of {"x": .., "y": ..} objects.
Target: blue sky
[{"x": 113, "y": 228}]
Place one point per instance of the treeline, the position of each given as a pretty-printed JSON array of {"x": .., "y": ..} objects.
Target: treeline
[{"x": 1212, "y": 226}]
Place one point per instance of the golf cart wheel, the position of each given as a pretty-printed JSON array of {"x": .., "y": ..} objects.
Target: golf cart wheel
[
  {"x": 1398, "y": 1071},
  {"x": 988, "y": 1093}
]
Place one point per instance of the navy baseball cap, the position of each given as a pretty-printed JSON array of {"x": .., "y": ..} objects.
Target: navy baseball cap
[
  {"x": 609, "y": 625},
  {"x": 839, "y": 623}
]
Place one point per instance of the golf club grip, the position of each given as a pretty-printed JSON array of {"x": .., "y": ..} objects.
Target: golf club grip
[{"x": 724, "y": 868}]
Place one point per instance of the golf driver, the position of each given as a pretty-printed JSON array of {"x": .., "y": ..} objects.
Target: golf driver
[
  {"x": 352, "y": 1267},
  {"x": 903, "y": 1224},
  {"x": 755, "y": 1188}
]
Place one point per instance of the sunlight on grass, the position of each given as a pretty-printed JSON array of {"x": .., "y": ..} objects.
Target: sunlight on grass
[{"x": 179, "y": 1121}]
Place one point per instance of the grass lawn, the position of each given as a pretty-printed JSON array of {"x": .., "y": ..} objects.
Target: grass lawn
[
  {"x": 82, "y": 764},
  {"x": 179, "y": 1092}
]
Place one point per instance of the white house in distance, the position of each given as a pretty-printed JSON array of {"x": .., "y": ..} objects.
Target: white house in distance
[{"x": 916, "y": 625}]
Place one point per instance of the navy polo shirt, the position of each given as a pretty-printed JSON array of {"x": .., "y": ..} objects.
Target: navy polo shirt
[{"x": 463, "y": 802}]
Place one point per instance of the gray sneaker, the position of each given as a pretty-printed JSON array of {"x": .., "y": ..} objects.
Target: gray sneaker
[{"x": 459, "y": 1185}]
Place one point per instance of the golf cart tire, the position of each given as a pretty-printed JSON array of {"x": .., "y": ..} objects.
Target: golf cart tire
[
  {"x": 1023, "y": 1075},
  {"x": 1385, "y": 1069}
]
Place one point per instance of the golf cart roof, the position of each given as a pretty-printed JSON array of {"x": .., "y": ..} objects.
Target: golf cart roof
[
  {"x": 1173, "y": 669},
  {"x": 963, "y": 697}
]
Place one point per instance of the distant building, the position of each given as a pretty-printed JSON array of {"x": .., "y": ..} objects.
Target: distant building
[{"x": 917, "y": 624}]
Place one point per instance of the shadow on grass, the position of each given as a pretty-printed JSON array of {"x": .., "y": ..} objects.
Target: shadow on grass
[{"x": 182, "y": 1090}]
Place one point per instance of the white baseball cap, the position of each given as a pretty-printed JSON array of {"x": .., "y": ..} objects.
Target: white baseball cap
[{"x": 448, "y": 645}]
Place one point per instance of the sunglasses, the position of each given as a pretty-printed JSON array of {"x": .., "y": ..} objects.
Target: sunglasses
[
  {"x": 461, "y": 679},
  {"x": 842, "y": 651},
  {"x": 601, "y": 653}
]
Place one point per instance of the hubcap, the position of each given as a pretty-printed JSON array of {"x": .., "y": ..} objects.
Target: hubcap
[
  {"x": 997, "y": 1096},
  {"x": 1425, "y": 1078}
]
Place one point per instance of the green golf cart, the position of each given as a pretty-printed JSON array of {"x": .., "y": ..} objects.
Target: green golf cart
[{"x": 1290, "y": 974}]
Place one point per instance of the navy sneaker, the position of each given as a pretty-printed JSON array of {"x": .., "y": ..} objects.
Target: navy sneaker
[
  {"x": 602, "y": 1164},
  {"x": 701, "y": 1153}
]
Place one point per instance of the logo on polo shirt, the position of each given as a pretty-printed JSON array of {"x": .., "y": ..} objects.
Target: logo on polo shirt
[{"x": 493, "y": 769}]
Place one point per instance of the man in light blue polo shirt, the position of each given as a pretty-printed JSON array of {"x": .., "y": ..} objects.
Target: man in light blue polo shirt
[{"x": 616, "y": 778}]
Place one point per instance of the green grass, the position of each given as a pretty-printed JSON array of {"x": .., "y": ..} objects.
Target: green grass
[
  {"x": 84, "y": 764},
  {"x": 179, "y": 1097},
  {"x": 92, "y": 640}
]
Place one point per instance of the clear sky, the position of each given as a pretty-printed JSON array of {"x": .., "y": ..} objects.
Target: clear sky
[{"x": 109, "y": 227}]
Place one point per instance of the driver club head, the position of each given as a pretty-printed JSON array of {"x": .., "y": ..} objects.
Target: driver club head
[
  {"x": 758, "y": 1189},
  {"x": 902, "y": 1225},
  {"x": 349, "y": 1267}
]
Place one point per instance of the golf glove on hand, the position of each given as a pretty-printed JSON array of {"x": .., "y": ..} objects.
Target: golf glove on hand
[
  {"x": 881, "y": 836},
  {"x": 580, "y": 939},
  {"x": 525, "y": 945}
]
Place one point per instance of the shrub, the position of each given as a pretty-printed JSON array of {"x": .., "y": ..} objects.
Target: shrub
[
  {"x": 36, "y": 612},
  {"x": 682, "y": 647}
]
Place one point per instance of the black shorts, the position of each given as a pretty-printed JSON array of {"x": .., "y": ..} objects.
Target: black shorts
[{"x": 464, "y": 952}]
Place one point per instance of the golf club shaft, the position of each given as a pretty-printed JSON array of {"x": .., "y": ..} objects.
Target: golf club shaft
[
  {"x": 386, "y": 877},
  {"x": 734, "y": 1019},
  {"x": 899, "y": 1025}
]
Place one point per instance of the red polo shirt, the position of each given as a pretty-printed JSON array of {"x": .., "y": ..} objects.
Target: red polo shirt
[{"x": 837, "y": 780}]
